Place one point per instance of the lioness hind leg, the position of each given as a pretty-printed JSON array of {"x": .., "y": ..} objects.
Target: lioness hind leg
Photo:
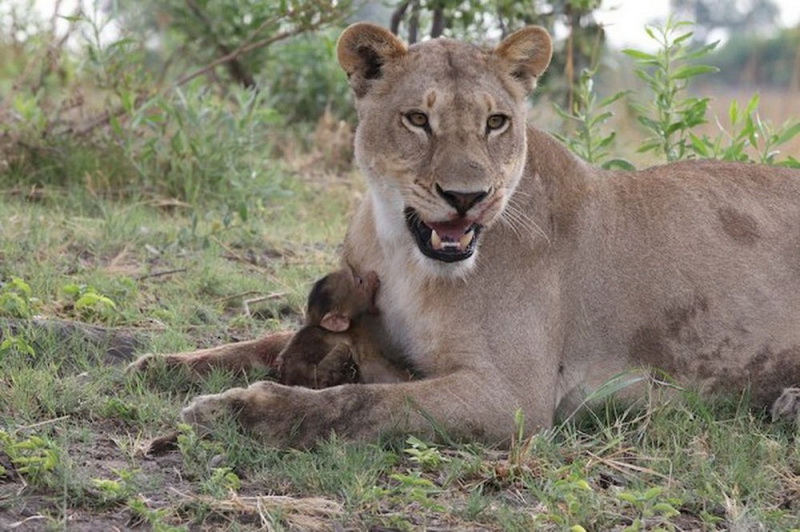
[
  {"x": 787, "y": 406},
  {"x": 239, "y": 356}
]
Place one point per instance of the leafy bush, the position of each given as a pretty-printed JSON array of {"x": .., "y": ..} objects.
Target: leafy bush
[
  {"x": 150, "y": 110},
  {"x": 669, "y": 116},
  {"x": 303, "y": 79},
  {"x": 194, "y": 144}
]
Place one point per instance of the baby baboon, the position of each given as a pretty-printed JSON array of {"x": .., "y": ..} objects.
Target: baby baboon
[{"x": 341, "y": 341}]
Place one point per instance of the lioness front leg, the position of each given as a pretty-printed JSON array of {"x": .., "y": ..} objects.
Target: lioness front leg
[
  {"x": 239, "y": 356},
  {"x": 462, "y": 405},
  {"x": 787, "y": 406}
]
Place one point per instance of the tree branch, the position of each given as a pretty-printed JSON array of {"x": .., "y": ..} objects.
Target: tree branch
[
  {"x": 397, "y": 16},
  {"x": 246, "y": 47},
  {"x": 237, "y": 70}
]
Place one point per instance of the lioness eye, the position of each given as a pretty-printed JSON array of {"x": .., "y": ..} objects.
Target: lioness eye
[
  {"x": 417, "y": 119},
  {"x": 496, "y": 121}
]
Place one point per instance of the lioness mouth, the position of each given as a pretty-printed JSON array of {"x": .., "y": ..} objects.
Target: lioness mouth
[{"x": 444, "y": 241}]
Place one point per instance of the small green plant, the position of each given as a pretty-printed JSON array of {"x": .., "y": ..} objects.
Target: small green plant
[
  {"x": 221, "y": 482},
  {"x": 588, "y": 116},
  {"x": 34, "y": 457},
  {"x": 117, "y": 408},
  {"x": 16, "y": 299},
  {"x": 198, "y": 454},
  {"x": 670, "y": 117},
  {"x": 194, "y": 144},
  {"x": 15, "y": 345},
  {"x": 749, "y": 135},
  {"x": 111, "y": 492},
  {"x": 569, "y": 499},
  {"x": 89, "y": 303},
  {"x": 652, "y": 509},
  {"x": 428, "y": 456},
  {"x": 154, "y": 517},
  {"x": 413, "y": 486}
]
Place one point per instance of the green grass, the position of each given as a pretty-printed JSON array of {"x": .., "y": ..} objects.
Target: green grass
[{"x": 73, "y": 425}]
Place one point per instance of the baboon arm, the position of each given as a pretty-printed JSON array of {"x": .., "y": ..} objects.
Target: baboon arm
[
  {"x": 335, "y": 357},
  {"x": 240, "y": 356},
  {"x": 375, "y": 370}
]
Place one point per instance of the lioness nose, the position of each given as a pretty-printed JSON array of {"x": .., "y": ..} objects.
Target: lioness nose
[{"x": 461, "y": 201}]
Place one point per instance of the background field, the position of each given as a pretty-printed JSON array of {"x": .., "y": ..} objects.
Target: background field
[{"x": 174, "y": 214}]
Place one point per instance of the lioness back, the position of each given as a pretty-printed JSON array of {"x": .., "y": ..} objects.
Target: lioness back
[{"x": 692, "y": 268}]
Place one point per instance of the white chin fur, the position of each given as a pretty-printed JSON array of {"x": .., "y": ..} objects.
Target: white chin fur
[{"x": 437, "y": 268}]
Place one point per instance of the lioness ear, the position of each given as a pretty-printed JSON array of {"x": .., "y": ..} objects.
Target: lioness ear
[
  {"x": 362, "y": 50},
  {"x": 335, "y": 322},
  {"x": 525, "y": 54}
]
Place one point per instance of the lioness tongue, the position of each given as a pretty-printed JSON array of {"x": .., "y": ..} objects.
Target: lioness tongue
[{"x": 451, "y": 235}]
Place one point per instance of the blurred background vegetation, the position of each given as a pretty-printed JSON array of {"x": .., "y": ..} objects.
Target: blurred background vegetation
[{"x": 194, "y": 100}]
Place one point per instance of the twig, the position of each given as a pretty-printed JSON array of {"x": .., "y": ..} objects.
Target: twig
[
  {"x": 160, "y": 273},
  {"x": 18, "y": 524},
  {"x": 245, "y": 48},
  {"x": 105, "y": 117},
  {"x": 236, "y": 296},
  {"x": 623, "y": 466},
  {"x": 40, "y": 424},
  {"x": 235, "y": 67},
  {"x": 247, "y": 302}
]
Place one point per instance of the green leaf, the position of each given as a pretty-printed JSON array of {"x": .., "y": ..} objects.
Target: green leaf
[
  {"x": 680, "y": 38},
  {"x": 92, "y": 299},
  {"x": 691, "y": 71},
  {"x": 699, "y": 145},
  {"x": 665, "y": 509},
  {"x": 652, "y": 493},
  {"x": 752, "y": 105},
  {"x": 618, "y": 164},
  {"x": 611, "y": 99},
  {"x": 733, "y": 112},
  {"x": 649, "y": 123},
  {"x": 605, "y": 142},
  {"x": 788, "y": 134},
  {"x": 638, "y": 54},
  {"x": 644, "y": 76},
  {"x": 599, "y": 119},
  {"x": 649, "y": 146},
  {"x": 702, "y": 51}
]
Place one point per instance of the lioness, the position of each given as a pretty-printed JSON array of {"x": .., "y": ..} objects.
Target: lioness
[{"x": 515, "y": 276}]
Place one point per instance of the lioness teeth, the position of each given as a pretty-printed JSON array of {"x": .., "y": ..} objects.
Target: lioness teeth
[
  {"x": 465, "y": 240},
  {"x": 436, "y": 240},
  {"x": 461, "y": 244}
]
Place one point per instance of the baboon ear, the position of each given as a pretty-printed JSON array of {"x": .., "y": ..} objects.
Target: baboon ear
[
  {"x": 335, "y": 322},
  {"x": 525, "y": 55},
  {"x": 362, "y": 50}
]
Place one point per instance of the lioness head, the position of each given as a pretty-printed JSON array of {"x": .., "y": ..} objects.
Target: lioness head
[{"x": 441, "y": 135}]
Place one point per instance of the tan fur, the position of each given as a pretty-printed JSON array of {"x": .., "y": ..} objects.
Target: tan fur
[{"x": 691, "y": 268}]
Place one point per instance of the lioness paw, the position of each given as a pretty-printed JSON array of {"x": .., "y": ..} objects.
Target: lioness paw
[
  {"x": 787, "y": 406},
  {"x": 204, "y": 410},
  {"x": 142, "y": 364}
]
